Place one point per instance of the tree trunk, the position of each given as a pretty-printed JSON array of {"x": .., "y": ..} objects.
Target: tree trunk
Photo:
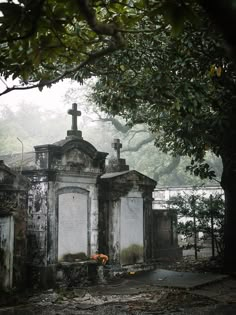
[{"x": 228, "y": 183}]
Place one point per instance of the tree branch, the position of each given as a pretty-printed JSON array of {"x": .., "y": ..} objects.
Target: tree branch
[
  {"x": 135, "y": 132},
  {"x": 115, "y": 122},
  {"x": 168, "y": 169},
  {"x": 90, "y": 16},
  {"x": 116, "y": 42},
  {"x": 140, "y": 144},
  {"x": 42, "y": 83}
]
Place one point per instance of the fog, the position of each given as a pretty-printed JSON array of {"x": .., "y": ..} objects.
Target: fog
[{"x": 40, "y": 117}]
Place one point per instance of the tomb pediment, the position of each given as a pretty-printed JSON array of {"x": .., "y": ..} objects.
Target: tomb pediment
[
  {"x": 71, "y": 153},
  {"x": 78, "y": 154},
  {"x": 76, "y": 158},
  {"x": 73, "y": 143},
  {"x": 128, "y": 176}
]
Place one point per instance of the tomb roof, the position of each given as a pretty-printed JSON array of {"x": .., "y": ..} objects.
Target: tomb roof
[
  {"x": 126, "y": 174},
  {"x": 11, "y": 180},
  {"x": 15, "y": 160}
]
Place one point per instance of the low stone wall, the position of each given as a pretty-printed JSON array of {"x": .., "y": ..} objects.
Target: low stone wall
[
  {"x": 41, "y": 277},
  {"x": 113, "y": 272},
  {"x": 82, "y": 273},
  {"x": 76, "y": 274}
]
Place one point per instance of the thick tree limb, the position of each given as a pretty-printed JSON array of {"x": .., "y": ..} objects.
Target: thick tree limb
[
  {"x": 90, "y": 16},
  {"x": 168, "y": 169},
  {"x": 115, "y": 122},
  {"x": 140, "y": 144}
]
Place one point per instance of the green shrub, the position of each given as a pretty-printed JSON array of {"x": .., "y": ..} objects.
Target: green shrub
[{"x": 131, "y": 254}]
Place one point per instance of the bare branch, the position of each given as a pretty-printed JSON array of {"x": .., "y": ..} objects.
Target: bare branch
[
  {"x": 135, "y": 132},
  {"x": 140, "y": 144},
  {"x": 115, "y": 122},
  {"x": 139, "y": 131},
  {"x": 216, "y": 180},
  {"x": 168, "y": 169}
]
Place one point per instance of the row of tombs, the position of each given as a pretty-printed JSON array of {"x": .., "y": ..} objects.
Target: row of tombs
[{"x": 61, "y": 204}]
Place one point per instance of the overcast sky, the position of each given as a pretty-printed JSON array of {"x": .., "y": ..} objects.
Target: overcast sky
[{"x": 49, "y": 98}]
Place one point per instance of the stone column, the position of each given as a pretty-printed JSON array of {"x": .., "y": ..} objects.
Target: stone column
[{"x": 93, "y": 221}]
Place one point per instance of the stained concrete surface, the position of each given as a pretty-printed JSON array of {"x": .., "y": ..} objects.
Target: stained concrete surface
[{"x": 174, "y": 279}]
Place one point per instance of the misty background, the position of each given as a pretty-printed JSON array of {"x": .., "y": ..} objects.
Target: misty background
[{"x": 38, "y": 118}]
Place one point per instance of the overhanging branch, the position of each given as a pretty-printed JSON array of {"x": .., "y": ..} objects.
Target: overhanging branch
[{"x": 92, "y": 57}]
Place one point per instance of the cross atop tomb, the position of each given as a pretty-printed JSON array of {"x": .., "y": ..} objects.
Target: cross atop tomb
[
  {"x": 117, "y": 164},
  {"x": 74, "y": 113},
  {"x": 74, "y": 130},
  {"x": 117, "y": 146}
]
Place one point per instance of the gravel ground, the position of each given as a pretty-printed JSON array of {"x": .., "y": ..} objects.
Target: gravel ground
[
  {"x": 81, "y": 302},
  {"x": 213, "y": 299}
]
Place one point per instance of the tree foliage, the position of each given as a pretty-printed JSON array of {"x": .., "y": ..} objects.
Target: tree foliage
[
  {"x": 183, "y": 88},
  {"x": 138, "y": 146},
  {"x": 177, "y": 86},
  {"x": 44, "y": 41},
  {"x": 203, "y": 208}
]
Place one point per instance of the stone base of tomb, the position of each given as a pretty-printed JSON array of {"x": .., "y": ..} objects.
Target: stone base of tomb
[
  {"x": 115, "y": 271},
  {"x": 76, "y": 274},
  {"x": 63, "y": 274},
  {"x": 43, "y": 277}
]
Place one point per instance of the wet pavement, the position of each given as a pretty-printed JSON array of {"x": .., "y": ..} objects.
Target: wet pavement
[
  {"x": 148, "y": 293},
  {"x": 174, "y": 279}
]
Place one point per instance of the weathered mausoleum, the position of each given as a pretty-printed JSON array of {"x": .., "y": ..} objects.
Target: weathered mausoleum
[
  {"x": 78, "y": 206},
  {"x": 13, "y": 239},
  {"x": 125, "y": 213}
]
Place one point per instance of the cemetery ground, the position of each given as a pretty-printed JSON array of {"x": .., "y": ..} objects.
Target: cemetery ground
[{"x": 181, "y": 288}]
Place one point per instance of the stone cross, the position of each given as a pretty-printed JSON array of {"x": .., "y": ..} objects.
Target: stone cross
[
  {"x": 74, "y": 113},
  {"x": 117, "y": 146}
]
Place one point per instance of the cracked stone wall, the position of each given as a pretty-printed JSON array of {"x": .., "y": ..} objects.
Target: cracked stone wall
[
  {"x": 13, "y": 239},
  {"x": 125, "y": 217},
  {"x": 63, "y": 205},
  {"x": 37, "y": 221}
]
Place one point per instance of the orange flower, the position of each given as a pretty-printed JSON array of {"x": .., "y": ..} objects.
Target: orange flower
[{"x": 100, "y": 258}]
